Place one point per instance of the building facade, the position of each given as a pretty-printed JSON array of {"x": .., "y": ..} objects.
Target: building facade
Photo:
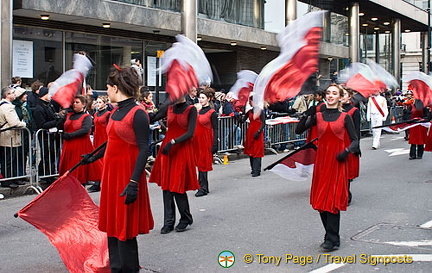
[{"x": 39, "y": 37}]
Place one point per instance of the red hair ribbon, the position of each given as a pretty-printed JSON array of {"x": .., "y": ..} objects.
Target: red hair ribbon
[{"x": 117, "y": 67}]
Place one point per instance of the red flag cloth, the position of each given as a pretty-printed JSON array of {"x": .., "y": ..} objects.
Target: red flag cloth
[
  {"x": 67, "y": 215},
  {"x": 298, "y": 165},
  {"x": 287, "y": 82},
  {"x": 362, "y": 85},
  {"x": 67, "y": 87},
  {"x": 421, "y": 90},
  {"x": 180, "y": 81},
  {"x": 402, "y": 126}
]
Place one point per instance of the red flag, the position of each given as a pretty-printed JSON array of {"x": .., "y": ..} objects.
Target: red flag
[
  {"x": 297, "y": 165},
  {"x": 421, "y": 85},
  {"x": 361, "y": 84},
  {"x": 284, "y": 76},
  {"x": 402, "y": 126},
  {"x": 67, "y": 215},
  {"x": 186, "y": 67},
  {"x": 243, "y": 87}
]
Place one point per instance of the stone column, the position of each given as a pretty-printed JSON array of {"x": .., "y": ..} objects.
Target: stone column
[
  {"x": 290, "y": 11},
  {"x": 377, "y": 47},
  {"x": 424, "y": 43},
  {"x": 396, "y": 36},
  {"x": 189, "y": 19},
  {"x": 354, "y": 32},
  {"x": 6, "y": 42}
]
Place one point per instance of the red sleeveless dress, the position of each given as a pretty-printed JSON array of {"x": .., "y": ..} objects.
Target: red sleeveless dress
[
  {"x": 115, "y": 218},
  {"x": 329, "y": 190},
  {"x": 73, "y": 149},
  {"x": 417, "y": 134},
  {"x": 100, "y": 133},
  {"x": 254, "y": 147},
  {"x": 176, "y": 172},
  {"x": 353, "y": 161},
  {"x": 203, "y": 139}
]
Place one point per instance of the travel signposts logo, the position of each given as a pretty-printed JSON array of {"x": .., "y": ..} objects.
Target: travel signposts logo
[{"x": 226, "y": 259}]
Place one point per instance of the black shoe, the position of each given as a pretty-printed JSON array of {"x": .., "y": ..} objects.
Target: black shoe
[
  {"x": 166, "y": 229},
  {"x": 94, "y": 188},
  {"x": 182, "y": 227},
  {"x": 412, "y": 157},
  {"x": 200, "y": 193},
  {"x": 329, "y": 246},
  {"x": 419, "y": 157},
  {"x": 255, "y": 174},
  {"x": 19, "y": 182}
]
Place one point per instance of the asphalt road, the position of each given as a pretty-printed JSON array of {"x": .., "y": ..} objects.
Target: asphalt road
[{"x": 270, "y": 218}]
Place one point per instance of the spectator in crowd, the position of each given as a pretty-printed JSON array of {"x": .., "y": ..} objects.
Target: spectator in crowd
[
  {"x": 206, "y": 138},
  {"x": 47, "y": 118},
  {"x": 231, "y": 127},
  {"x": 16, "y": 81},
  {"x": 146, "y": 100},
  {"x": 217, "y": 101},
  {"x": 300, "y": 104},
  {"x": 191, "y": 97},
  {"x": 10, "y": 140},
  {"x": 33, "y": 97},
  {"x": 24, "y": 113}
]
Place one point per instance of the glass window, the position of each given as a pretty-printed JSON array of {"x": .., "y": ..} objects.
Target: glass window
[{"x": 47, "y": 53}]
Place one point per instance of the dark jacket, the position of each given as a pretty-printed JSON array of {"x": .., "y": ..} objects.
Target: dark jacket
[{"x": 44, "y": 115}]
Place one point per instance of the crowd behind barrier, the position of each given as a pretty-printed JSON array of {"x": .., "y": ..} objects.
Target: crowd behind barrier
[{"x": 37, "y": 158}]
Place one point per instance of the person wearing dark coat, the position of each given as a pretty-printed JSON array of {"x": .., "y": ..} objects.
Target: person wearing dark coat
[{"x": 46, "y": 118}]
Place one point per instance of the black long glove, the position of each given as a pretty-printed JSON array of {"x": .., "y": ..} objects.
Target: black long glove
[
  {"x": 66, "y": 136},
  {"x": 257, "y": 135},
  {"x": 214, "y": 149},
  {"x": 167, "y": 148},
  {"x": 342, "y": 157},
  {"x": 131, "y": 192}
]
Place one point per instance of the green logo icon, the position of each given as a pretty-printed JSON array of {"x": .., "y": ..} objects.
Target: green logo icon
[{"x": 226, "y": 259}]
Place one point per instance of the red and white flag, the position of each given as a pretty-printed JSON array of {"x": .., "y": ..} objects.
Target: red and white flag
[
  {"x": 243, "y": 87},
  {"x": 297, "y": 165},
  {"x": 421, "y": 85},
  {"x": 70, "y": 83},
  {"x": 361, "y": 78},
  {"x": 186, "y": 66},
  {"x": 67, "y": 215},
  {"x": 284, "y": 76},
  {"x": 402, "y": 126}
]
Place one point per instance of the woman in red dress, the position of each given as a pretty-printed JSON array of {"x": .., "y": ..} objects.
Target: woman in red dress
[
  {"x": 206, "y": 138},
  {"x": 124, "y": 203},
  {"x": 417, "y": 134},
  {"x": 77, "y": 142},
  {"x": 254, "y": 144},
  {"x": 100, "y": 120},
  {"x": 353, "y": 160},
  {"x": 175, "y": 167},
  {"x": 329, "y": 190}
]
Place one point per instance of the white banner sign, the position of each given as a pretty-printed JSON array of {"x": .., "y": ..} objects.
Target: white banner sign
[
  {"x": 22, "y": 59},
  {"x": 151, "y": 71}
]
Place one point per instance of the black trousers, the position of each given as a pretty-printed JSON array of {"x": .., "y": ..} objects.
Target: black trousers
[
  {"x": 416, "y": 150},
  {"x": 203, "y": 181},
  {"x": 182, "y": 202},
  {"x": 255, "y": 163},
  {"x": 331, "y": 223},
  {"x": 123, "y": 255}
]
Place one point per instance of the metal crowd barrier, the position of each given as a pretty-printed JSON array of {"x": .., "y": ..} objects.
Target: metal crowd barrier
[
  {"x": 282, "y": 134},
  {"x": 17, "y": 163},
  {"x": 48, "y": 148}
]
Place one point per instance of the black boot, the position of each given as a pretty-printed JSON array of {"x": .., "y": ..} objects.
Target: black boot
[
  {"x": 251, "y": 160},
  {"x": 94, "y": 188},
  {"x": 420, "y": 150},
  {"x": 412, "y": 154},
  {"x": 349, "y": 191},
  {"x": 256, "y": 166},
  {"x": 203, "y": 181},
  {"x": 169, "y": 212},
  {"x": 332, "y": 239}
]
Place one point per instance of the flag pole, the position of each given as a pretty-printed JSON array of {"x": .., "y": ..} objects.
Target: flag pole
[{"x": 307, "y": 145}]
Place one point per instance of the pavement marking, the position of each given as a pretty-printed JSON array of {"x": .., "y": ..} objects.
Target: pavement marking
[
  {"x": 398, "y": 151},
  {"x": 427, "y": 225},
  {"x": 327, "y": 268},
  {"x": 411, "y": 243}
]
